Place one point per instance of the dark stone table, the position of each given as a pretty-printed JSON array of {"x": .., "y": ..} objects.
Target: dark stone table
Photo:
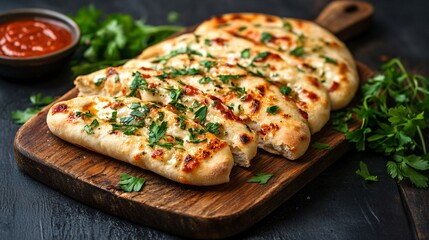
[{"x": 336, "y": 205}]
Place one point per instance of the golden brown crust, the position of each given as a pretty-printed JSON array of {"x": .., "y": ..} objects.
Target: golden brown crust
[
  {"x": 323, "y": 51},
  {"x": 75, "y": 124}
]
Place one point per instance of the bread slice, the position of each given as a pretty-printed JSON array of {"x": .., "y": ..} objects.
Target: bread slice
[{"x": 145, "y": 135}]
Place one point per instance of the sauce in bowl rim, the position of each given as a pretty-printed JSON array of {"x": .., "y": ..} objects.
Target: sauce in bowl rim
[
  {"x": 47, "y": 15},
  {"x": 33, "y": 37}
]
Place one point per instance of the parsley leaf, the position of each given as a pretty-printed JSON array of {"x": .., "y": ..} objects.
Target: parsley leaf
[
  {"x": 364, "y": 173},
  {"x": 273, "y": 109},
  {"x": 329, "y": 60},
  {"x": 213, "y": 128},
  {"x": 245, "y": 53},
  {"x": 156, "y": 132},
  {"x": 226, "y": 78},
  {"x": 130, "y": 183},
  {"x": 90, "y": 128},
  {"x": 266, "y": 37},
  {"x": 111, "y": 40},
  {"x": 298, "y": 51},
  {"x": 319, "y": 145},
  {"x": 201, "y": 114},
  {"x": 285, "y": 90},
  {"x": 394, "y": 115},
  {"x": 38, "y": 101},
  {"x": 261, "y": 178}
]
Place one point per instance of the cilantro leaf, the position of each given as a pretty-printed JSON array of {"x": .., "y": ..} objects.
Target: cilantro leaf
[
  {"x": 364, "y": 173},
  {"x": 130, "y": 183},
  {"x": 261, "y": 178}
]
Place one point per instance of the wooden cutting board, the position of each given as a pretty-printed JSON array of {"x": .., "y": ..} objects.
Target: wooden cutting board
[{"x": 199, "y": 212}]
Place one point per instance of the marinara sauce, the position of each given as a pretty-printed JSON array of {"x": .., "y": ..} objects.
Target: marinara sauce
[{"x": 32, "y": 37}]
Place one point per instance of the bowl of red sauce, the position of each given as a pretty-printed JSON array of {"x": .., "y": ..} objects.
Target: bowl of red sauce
[{"x": 35, "y": 43}]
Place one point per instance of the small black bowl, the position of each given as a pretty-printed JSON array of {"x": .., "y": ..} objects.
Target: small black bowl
[{"x": 28, "y": 68}]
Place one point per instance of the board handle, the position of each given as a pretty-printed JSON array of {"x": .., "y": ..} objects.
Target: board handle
[{"x": 346, "y": 18}]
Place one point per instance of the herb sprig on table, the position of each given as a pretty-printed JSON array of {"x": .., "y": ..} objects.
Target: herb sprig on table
[
  {"x": 113, "y": 39},
  {"x": 394, "y": 112},
  {"x": 38, "y": 101}
]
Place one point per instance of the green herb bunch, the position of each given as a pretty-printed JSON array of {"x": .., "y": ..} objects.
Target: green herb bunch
[
  {"x": 393, "y": 118},
  {"x": 113, "y": 39}
]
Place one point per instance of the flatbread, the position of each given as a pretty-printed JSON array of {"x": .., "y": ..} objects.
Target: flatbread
[
  {"x": 323, "y": 53},
  {"x": 177, "y": 98},
  {"x": 284, "y": 132},
  {"x": 131, "y": 130},
  {"x": 309, "y": 93}
]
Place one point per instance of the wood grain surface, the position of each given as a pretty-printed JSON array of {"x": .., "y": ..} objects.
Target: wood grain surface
[{"x": 201, "y": 212}]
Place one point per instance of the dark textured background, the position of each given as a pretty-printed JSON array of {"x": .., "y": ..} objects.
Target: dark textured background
[{"x": 336, "y": 205}]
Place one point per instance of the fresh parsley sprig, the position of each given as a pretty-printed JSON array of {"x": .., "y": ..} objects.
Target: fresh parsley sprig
[
  {"x": 394, "y": 113},
  {"x": 112, "y": 39},
  {"x": 130, "y": 183},
  {"x": 38, "y": 101}
]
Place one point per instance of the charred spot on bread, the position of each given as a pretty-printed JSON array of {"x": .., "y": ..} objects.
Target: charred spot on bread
[{"x": 59, "y": 108}]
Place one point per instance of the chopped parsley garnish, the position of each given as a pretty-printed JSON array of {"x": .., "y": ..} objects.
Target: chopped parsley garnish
[
  {"x": 329, "y": 60},
  {"x": 245, "y": 53},
  {"x": 156, "y": 132},
  {"x": 260, "y": 57},
  {"x": 177, "y": 52},
  {"x": 85, "y": 114},
  {"x": 238, "y": 90},
  {"x": 242, "y": 28},
  {"x": 266, "y": 37},
  {"x": 298, "y": 51},
  {"x": 213, "y": 128},
  {"x": 170, "y": 55},
  {"x": 99, "y": 81},
  {"x": 194, "y": 133},
  {"x": 182, "y": 122},
  {"x": 207, "y": 42},
  {"x": 161, "y": 116},
  {"x": 287, "y": 26},
  {"x": 319, "y": 145},
  {"x": 226, "y": 78},
  {"x": 130, "y": 183},
  {"x": 174, "y": 94},
  {"x": 285, "y": 90},
  {"x": 201, "y": 114},
  {"x": 89, "y": 128},
  {"x": 273, "y": 109},
  {"x": 178, "y": 141},
  {"x": 261, "y": 178},
  {"x": 113, "y": 117},
  {"x": 208, "y": 64},
  {"x": 116, "y": 78},
  {"x": 364, "y": 173},
  {"x": 138, "y": 82},
  {"x": 255, "y": 74},
  {"x": 205, "y": 80}
]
